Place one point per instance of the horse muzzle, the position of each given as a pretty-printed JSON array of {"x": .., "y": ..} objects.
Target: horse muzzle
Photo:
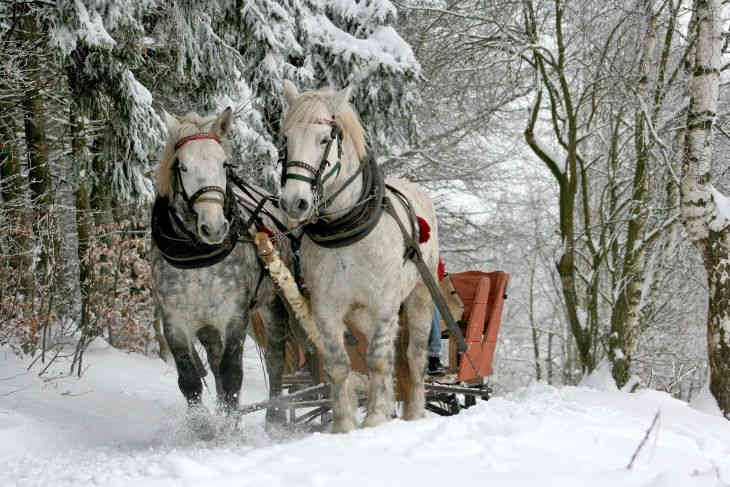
[
  {"x": 296, "y": 208},
  {"x": 213, "y": 226}
]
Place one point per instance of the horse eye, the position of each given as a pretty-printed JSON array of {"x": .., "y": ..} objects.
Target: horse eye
[
  {"x": 325, "y": 141},
  {"x": 183, "y": 167}
]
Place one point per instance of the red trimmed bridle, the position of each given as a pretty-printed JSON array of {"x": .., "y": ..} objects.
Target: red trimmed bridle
[
  {"x": 198, "y": 136},
  {"x": 180, "y": 168}
]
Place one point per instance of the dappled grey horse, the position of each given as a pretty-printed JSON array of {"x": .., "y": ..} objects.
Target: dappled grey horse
[{"x": 206, "y": 280}]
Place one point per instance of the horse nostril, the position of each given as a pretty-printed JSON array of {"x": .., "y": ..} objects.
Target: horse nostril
[
  {"x": 302, "y": 205},
  {"x": 204, "y": 228},
  {"x": 225, "y": 228}
]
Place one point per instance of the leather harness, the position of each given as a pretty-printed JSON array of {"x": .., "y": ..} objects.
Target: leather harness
[{"x": 364, "y": 216}]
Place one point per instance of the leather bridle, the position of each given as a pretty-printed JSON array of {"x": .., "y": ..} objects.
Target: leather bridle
[
  {"x": 179, "y": 168},
  {"x": 318, "y": 176}
]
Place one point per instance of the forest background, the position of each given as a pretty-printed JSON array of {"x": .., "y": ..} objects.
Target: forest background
[{"x": 568, "y": 143}]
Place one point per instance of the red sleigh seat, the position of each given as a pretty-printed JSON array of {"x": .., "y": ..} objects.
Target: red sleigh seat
[{"x": 482, "y": 294}]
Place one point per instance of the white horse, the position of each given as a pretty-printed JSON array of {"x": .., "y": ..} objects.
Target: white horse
[{"x": 352, "y": 260}]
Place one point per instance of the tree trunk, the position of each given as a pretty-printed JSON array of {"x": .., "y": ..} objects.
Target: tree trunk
[
  {"x": 533, "y": 325},
  {"x": 626, "y": 315},
  {"x": 83, "y": 217},
  {"x": 39, "y": 171},
  {"x": 549, "y": 358},
  {"x": 13, "y": 195},
  {"x": 717, "y": 263},
  {"x": 101, "y": 199},
  {"x": 566, "y": 265},
  {"x": 705, "y": 225}
]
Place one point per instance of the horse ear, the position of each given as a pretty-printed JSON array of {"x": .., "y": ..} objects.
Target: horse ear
[
  {"x": 290, "y": 92},
  {"x": 340, "y": 98},
  {"x": 222, "y": 124},
  {"x": 170, "y": 121}
]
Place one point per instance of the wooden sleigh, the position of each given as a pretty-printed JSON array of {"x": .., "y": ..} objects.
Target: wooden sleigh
[{"x": 475, "y": 299}]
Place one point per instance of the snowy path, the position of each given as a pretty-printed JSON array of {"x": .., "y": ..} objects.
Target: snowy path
[{"x": 121, "y": 425}]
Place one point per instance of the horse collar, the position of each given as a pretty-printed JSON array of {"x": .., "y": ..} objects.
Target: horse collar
[
  {"x": 181, "y": 248},
  {"x": 358, "y": 222}
]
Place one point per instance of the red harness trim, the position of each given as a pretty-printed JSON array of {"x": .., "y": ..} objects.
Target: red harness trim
[
  {"x": 263, "y": 228},
  {"x": 198, "y": 136},
  {"x": 424, "y": 230}
]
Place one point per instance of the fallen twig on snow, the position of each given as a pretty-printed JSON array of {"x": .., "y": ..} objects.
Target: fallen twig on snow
[{"x": 643, "y": 440}]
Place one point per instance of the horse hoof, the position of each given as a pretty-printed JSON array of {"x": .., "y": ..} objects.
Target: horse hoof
[
  {"x": 373, "y": 420},
  {"x": 343, "y": 426},
  {"x": 200, "y": 423},
  {"x": 413, "y": 416}
]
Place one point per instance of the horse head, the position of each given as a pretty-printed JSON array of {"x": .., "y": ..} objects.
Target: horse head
[
  {"x": 324, "y": 141},
  {"x": 193, "y": 174}
]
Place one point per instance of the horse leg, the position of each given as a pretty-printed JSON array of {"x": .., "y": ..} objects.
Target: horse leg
[
  {"x": 419, "y": 309},
  {"x": 337, "y": 365},
  {"x": 380, "y": 370},
  {"x": 276, "y": 319},
  {"x": 211, "y": 340},
  {"x": 189, "y": 379},
  {"x": 188, "y": 376},
  {"x": 231, "y": 367}
]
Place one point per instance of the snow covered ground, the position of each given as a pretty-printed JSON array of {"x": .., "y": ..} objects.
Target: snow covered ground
[{"x": 122, "y": 424}]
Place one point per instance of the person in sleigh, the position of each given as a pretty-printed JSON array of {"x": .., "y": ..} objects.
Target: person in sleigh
[{"x": 435, "y": 368}]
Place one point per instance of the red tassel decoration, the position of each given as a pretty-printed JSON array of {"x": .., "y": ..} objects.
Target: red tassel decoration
[{"x": 424, "y": 230}]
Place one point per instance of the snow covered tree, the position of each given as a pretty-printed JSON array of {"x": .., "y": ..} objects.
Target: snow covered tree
[
  {"x": 230, "y": 52},
  {"x": 335, "y": 44},
  {"x": 101, "y": 45}
]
